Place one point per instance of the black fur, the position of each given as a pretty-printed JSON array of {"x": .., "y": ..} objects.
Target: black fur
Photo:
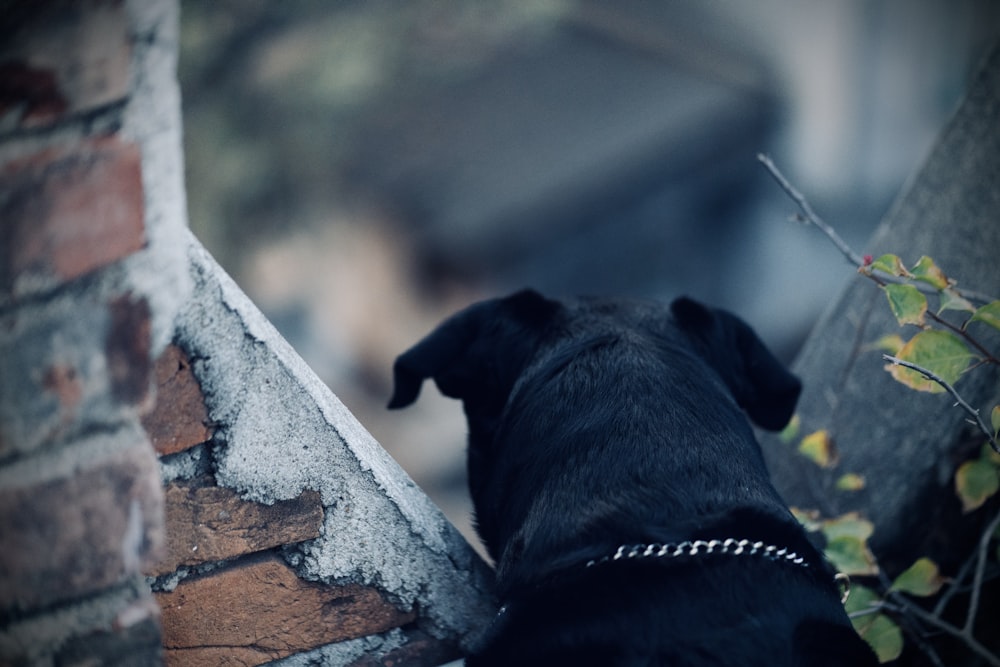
[{"x": 599, "y": 423}]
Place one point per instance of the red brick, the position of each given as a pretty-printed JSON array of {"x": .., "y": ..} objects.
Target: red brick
[
  {"x": 127, "y": 349},
  {"x": 68, "y": 213},
  {"x": 82, "y": 532},
  {"x": 261, "y": 611},
  {"x": 62, "y": 57},
  {"x": 179, "y": 420},
  {"x": 210, "y": 523}
]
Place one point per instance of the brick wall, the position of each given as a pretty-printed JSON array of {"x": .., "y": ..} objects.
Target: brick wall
[
  {"x": 175, "y": 484},
  {"x": 90, "y": 283}
]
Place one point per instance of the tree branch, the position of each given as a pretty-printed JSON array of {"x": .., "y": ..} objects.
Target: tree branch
[{"x": 951, "y": 390}]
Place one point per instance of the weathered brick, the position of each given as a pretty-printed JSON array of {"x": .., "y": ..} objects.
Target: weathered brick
[
  {"x": 179, "y": 419},
  {"x": 70, "y": 631},
  {"x": 211, "y": 523},
  {"x": 69, "y": 212},
  {"x": 134, "y": 646},
  {"x": 127, "y": 349},
  {"x": 70, "y": 365},
  {"x": 92, "y": 522},
  {"x": 62, "y": 57},
  {"x": 261, "y": 611}
]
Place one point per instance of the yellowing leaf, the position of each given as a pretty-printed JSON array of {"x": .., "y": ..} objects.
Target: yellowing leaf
[
  {"x": 975, "y": 482},
  {"x": 850, "y": 482},
  {"x": 907, "y": 304},
  {"x": 791, "y": 430},
  {"x": 995, "y": 420},
  {"x": 890, "y": 343},
  {"x": 952, "y": 300},
  {"x": 890, "y": 264},
  {"x": 818, "y": 447},
  {"x": 922, "y": 579},
  {"x": 925, "y": 270},
  {"x": 941, "y": 352},
  {"x": 988, "y": 314}
]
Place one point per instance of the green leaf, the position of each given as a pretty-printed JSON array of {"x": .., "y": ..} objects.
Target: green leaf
[
  {"x": 995, "y": 420},
  {"x": 925, "y": 270},
  {"x": 941, "y": 352},
  {"x": 808, "y": 518},
  {"x": 907, "y": 304},
  {"x": 861, "y": 598},
  {"x": 851, "y": 482},
  {"x": 851, "y": 524},
  {"x": 791, "y": 430},
  {"x": 851, "y": 555},
  {"x": 884, "y": 636},
  {"x": 952, "y": 300},
  {"x": 988, "y": 314},
  {"x": 975, "y": 483},
  {"x": 818, "y": 447},
  {"x": 890, "y": 264},
  {"x": 922, "y": 579},
  {"x": 846, "y": 544}
]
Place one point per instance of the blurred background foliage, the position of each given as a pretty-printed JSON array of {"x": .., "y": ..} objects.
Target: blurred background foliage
[{"x": 365, "y": 167}]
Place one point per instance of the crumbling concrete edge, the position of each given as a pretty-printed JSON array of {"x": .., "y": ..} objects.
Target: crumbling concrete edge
[{"x": 280, "y": 431}]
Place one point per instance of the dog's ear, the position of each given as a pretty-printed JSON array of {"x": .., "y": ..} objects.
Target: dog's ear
[
  {"x": 477, "y": 354},
  {"x": 761, "y": 385}
]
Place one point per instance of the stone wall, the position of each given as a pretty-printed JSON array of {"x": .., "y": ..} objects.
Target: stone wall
[{"x": 161, "y": 447}]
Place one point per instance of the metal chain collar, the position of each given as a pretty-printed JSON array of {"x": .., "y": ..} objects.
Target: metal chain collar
[{"x": 727, "y": 547}]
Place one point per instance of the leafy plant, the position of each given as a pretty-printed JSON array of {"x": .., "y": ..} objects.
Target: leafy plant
[{"x": 934, "y": 359}]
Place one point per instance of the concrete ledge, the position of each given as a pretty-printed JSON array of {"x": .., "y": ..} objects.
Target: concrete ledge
[{"x": 279, "y": 431}]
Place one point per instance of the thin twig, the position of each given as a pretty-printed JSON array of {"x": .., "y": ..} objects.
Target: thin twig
[
  {"x": 809, "y": 215},
  {"x": 906, "y": 607},
  {"x": 915, "y": 630},
  {"x": 977, "y": 581},
  {"x": 956, "y": 584},
  {"x": 867, "y": 611},
  {"x": 951, "y": 390},
  {"x": 988, "y": 356}
]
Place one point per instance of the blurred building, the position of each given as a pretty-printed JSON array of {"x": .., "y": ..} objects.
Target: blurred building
[{"x": 364, "y": 168}]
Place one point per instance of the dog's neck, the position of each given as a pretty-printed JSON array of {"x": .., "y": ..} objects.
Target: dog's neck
[{"x": 742, "y": 533}]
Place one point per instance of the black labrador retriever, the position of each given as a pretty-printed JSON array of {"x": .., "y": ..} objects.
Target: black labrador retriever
[{"x": 620, "y": 490}]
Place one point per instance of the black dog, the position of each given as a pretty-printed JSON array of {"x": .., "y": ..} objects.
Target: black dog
[{"x": 619, "y": 487}]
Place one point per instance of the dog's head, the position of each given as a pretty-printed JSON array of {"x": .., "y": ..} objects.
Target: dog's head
[{"x": 478, "y": 355}]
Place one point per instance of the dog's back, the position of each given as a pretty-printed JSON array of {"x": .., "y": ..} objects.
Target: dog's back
[{"x": 603, "y": 424}]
